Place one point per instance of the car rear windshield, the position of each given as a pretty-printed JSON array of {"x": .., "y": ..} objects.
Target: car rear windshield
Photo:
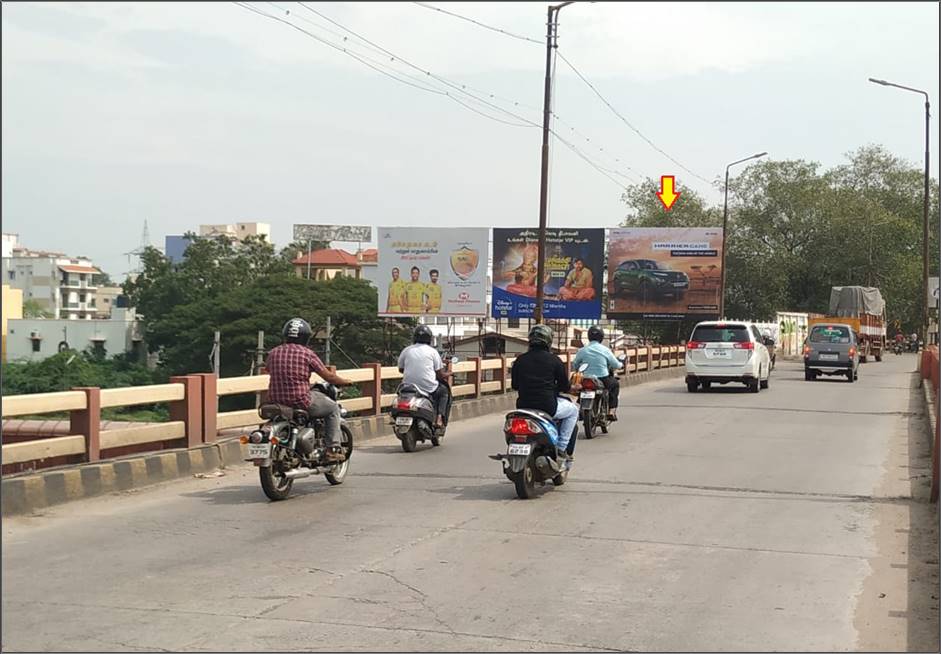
[
  {"x": 829, "y": 334},
  {"x": 721, "y": 334}
]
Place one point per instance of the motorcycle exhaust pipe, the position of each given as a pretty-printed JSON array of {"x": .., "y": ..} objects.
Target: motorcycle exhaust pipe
[{"x": 300, "y": 473}]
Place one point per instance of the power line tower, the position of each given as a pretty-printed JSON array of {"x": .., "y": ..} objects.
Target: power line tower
[{"x": 139, "y": 252}]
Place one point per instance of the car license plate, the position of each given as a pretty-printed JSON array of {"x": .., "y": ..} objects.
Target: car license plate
[
  {"x": 587, "y": 395},
  {"x": 718, "y": 353},
  {"x": 259, "y": 450},
  {"x": 829, "y": 357},
  {"x": 403, "y": 421},
  {"x": 678, "y": 284},
  {"x": 519, "y": 448}
]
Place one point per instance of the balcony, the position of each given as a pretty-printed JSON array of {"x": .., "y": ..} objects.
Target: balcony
[{"x": 75, "y": 283}]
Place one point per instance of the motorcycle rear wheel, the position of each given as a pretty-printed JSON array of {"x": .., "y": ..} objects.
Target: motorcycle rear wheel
[
  {"x": 589, "y": 425},
  {"x": 408, "y": 440},
  {"x": 276, "y": 487},
  {"x": 525, "y": 481}
]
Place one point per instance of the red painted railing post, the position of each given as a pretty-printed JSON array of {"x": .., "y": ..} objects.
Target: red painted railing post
[
  {"x": 88, "y": 422},
  {"x": 189, "y": 409},
  {"x": 210, "y": 406},
  {"x": 476, "y": 376},
  {"x": 373, "y": 389}
]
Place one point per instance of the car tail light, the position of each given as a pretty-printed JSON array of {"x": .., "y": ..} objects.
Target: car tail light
[
  {"x": 523, "y": 427},
  {"x": 852, "y": 350},
  {"x": 806, "y": 350},
  {"x": 695, "y": 345},
  {"x": 588, "y": 384},
  {"x": 747, "y": 345}
]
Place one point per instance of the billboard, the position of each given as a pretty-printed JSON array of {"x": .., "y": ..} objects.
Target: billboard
[
  {"x": 572, "y": 285},
  {"x": 428, "y": 271},
  {"x": 328, "y": 233},
  {"x": 664, "y": 273}
]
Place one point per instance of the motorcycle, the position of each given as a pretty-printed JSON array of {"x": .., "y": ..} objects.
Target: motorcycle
[
  {"x": 413, "y": 416},
  {"x": 897, "y": 348},
  {"x": 531, "y": 456},
  {"x": 593, "y": 403},
  {"x": 290, "y": 446}
]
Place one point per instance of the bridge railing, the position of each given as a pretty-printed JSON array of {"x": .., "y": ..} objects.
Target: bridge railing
[
  {"x": 930, "y": 372},
  {"x": 194, "y": 407}
]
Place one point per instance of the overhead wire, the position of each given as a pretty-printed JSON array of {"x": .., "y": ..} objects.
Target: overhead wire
[
  {"x": 412, "y": 82},
  {"x": 477, "y": 22},
  {"x": 627, "y": 122}
]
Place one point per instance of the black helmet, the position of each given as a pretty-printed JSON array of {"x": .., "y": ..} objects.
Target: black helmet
[
  {"x": 541, "y": 336},
  {"x": 422, "y": 335},
  {"x": 296, "y": 330},
  {"x": 595, "y": 333}
]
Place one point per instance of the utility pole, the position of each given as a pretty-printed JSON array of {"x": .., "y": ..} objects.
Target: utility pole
[
  {"x": 215, "y": 352},
  {"x": 551, "y": 42},
  {"x": 327, "y": 348},
  {"x": 308, "y": 259},
  {"x": 259, "y": 362}
]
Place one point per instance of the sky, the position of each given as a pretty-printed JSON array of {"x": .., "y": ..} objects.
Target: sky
[{"x": 184, "y": 113}]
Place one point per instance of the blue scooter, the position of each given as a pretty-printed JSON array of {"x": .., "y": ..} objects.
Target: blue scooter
[{"x": 531, "y": 456}]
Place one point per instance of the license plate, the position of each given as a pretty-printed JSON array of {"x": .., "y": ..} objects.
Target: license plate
[
  {"x": 718, "y": 354},
  {"x": 403, "y": 421},
  {"x": 587, "y": 395},
  {"x": 519, "y": 448},
  {"x": 259, "y": 450},
  {"x": 829, "y": 357},
  {"x": 678, "y": 284}
]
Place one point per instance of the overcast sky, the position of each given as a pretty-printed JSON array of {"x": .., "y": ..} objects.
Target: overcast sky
[{"x": 189, "y": 113}]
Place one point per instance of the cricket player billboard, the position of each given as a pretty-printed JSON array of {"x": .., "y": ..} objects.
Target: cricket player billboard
[{"x": 429, "y": 271}]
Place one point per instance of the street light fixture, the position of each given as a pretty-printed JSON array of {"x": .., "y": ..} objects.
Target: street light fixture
[
  {"x": 552, "y": 27},
  {"x": 725, "y": 225},
  {"x": 924, "y": 234}
]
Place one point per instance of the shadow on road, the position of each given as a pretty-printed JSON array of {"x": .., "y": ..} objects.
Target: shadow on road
[
  {"x": 496, "y": 492},
  {"x": 252, "y": 494}
]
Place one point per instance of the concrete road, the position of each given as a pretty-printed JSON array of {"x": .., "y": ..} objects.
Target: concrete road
[{"x": 789, "y": 520}]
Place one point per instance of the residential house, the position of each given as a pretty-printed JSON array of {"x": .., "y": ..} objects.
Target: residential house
[
  {"x": 37, "y": 339},
  {"x": 63, "y": 286},
  {"x": 12, "y": 310}
]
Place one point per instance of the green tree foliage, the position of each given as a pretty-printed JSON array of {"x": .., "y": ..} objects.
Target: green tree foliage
[
  {"x": 70, "y": 369},
  {"x": 32, "y": 309},
  {"x": 796, "y": 230}
]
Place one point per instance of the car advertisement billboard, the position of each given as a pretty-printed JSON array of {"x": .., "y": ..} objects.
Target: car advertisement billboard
[
  {"x": 664, "y": 273},
  {"x": 427, "y": 271},
  {"x": 572, "y": 284}
]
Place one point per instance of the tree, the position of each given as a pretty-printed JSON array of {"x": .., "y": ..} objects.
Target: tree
[{"x": 32, "y": 309}]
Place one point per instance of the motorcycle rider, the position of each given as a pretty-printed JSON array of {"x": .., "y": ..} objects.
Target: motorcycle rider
[
  {"x": 421, "y": 366},
  {"x": 539, "y": 377},
  {"x": 601, "y": 364},
  {"x": 289, "y": 366}
]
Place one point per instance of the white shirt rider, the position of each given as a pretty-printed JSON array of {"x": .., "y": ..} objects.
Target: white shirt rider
[{"x": 419, "y": 364}]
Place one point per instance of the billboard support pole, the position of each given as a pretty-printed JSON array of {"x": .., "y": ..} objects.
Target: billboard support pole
[{"x": 308, "y": 259}]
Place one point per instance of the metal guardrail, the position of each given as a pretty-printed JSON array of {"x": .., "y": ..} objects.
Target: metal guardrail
[{"x": 194, "y": 402}]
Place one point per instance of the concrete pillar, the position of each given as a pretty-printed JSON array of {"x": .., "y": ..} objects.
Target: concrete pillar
[
  {"x": 189, "y": 409},
  {"x": 210, "y": 406},
  {"x": 88, "y": 422},
  {"x": 373, "y": 389}
]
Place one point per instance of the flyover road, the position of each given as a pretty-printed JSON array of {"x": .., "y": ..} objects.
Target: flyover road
[{"x": 789, "y": 520}]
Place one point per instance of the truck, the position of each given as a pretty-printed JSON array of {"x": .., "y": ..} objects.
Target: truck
[{"x": 862, "y": 308}]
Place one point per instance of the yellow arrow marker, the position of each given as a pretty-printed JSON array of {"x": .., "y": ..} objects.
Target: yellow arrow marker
[{"x": 666, "y": 194}]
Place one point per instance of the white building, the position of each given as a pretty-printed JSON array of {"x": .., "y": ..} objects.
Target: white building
[
  {"x": 65, "y": 287},
  {"x": 37, "y": 339},
  {"x": 10, "y": 242},
  {"x": 238, "y": 231}
]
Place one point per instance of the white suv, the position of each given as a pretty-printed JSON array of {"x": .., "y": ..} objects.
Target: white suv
[{"x": 727, "y": 351}]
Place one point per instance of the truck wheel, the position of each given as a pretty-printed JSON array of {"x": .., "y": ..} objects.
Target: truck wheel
[{"x": 692, "y": 386}]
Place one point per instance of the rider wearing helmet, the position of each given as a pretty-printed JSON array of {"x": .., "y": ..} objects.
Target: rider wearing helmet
[
  {"x": 289, "y": 366},
  {"x": 539, "y": 377},
  {"x": 601, "y": 362},
  {"x": 421, "y": 366}
]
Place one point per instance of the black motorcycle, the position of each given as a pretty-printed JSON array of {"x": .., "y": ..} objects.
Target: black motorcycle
[
  {"x": 291, "y": 445},
  {"x": 593, "y": 404}
]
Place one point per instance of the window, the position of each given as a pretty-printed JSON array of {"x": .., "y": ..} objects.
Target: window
[
  {"x": 81, "y": 297},
  {"x": 720, "y": 334},
  {"x": 98, "y": 348},
  {"x": 36, "y": 343},
  {"x": 829, "y": 334},
  {"x": 11, "y": 274}
]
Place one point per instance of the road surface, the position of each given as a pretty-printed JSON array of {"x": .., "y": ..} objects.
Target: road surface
[{"x": 790, "y": 520}]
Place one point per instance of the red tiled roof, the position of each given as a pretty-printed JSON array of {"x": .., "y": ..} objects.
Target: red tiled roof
[
  {"x": 340, "y": 258},
  {"x": 80, "y": 269},
  {"x": 371, "y": 255}
]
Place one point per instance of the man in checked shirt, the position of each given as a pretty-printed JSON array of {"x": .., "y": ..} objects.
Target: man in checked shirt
[{"x": 289, "y": 366}]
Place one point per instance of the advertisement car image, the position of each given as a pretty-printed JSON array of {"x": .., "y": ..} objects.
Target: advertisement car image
[{"x": 646, "y": 277}]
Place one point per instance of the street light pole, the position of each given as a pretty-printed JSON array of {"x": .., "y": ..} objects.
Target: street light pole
[
  {"x": 551, "y": 28},
  {"x": 725, "y": 226},
  {"x": 924, "y": 227}
]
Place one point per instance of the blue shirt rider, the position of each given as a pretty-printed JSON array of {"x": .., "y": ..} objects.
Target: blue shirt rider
[{"x": 601, "y": 362}]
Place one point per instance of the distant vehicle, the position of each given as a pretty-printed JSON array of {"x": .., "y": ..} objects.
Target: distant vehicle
[
  {"x": 721, "y": 352},
  {"x": 831, "y": 349},
  {"x": 863, "y": 309},
  {"x": 649, "y": 278}
]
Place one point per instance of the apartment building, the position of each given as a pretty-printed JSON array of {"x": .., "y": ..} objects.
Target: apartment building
[{"x": 62, "y": 286}]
